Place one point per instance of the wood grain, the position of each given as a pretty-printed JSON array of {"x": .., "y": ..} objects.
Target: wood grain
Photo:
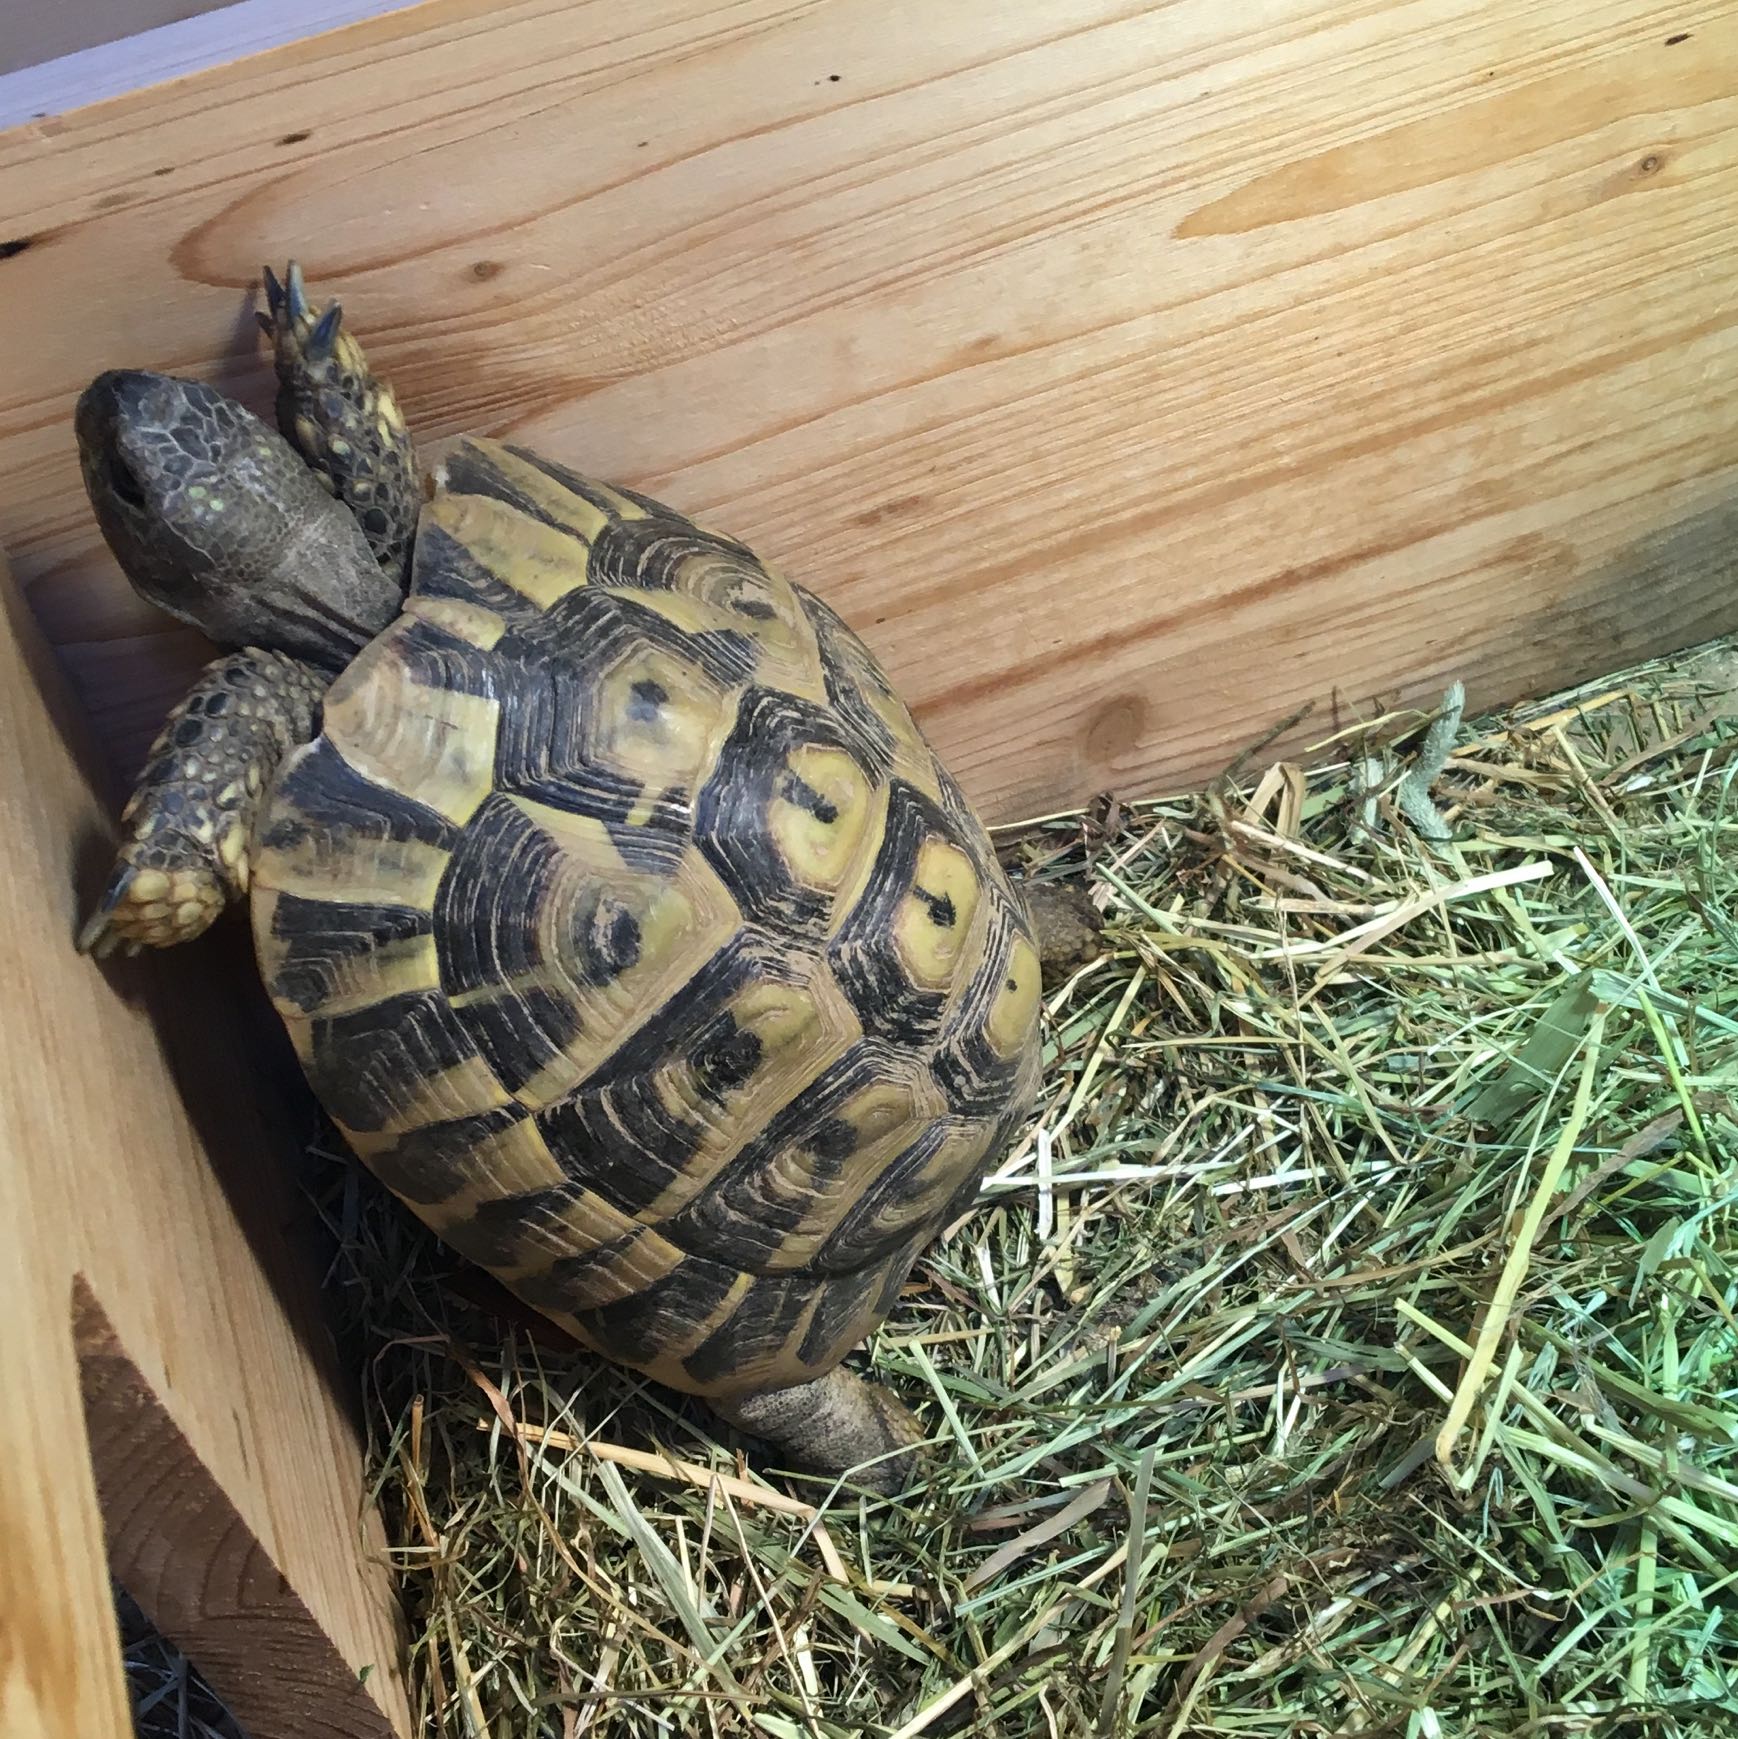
[
  {"x": 1128, "y": 373},
  {"x": 144, "y": 1192}
]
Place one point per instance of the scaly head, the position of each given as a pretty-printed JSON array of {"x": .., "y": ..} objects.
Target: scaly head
[{"x": 216, "y": 520}]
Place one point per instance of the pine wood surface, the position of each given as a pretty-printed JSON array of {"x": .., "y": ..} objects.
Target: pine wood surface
[
  {"x": 166, "y": 1377},
  {"x": 1129, "y": 373}
]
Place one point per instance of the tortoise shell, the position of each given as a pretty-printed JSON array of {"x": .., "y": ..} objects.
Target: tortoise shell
[{"x": 629, "y": 929}]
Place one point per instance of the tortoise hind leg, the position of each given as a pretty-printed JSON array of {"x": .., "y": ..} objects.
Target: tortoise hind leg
[
  {"x": 342, "y": 419},
  {"x": 189, "y": 823},
  {"x": 834, "y": 1426},
  {"x": 1067, "y": 925}
]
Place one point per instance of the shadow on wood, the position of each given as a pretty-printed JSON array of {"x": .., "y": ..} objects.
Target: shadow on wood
[{"x": 142, "y": 1167}]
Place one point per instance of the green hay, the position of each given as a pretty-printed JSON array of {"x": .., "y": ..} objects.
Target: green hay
[{"x": 1351, "y": 1348}]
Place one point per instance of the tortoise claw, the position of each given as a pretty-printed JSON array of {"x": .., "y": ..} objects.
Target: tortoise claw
[
  {"x": 296, "y": 292},
  {"x": 325, "y": 333},
  {"x": 274, "y": 294},
  {"x": 151, "y": 908}
]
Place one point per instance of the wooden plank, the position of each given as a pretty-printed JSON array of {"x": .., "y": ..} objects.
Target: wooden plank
[
  {"x": 60, "y": 1668},
  {"x": 1129, "y": 373},
  {"x": 162, "y": 1298}
]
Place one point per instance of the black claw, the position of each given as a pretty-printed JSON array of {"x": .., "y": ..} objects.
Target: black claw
[
  {"x": 274, "y": 294},
  {"x": 266, "y": 324},
  {"x": 325, "y": 331},
  {"x": 297, "y": 292}
]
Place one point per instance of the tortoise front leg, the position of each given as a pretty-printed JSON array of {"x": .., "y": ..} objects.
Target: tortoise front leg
[
  {"x": 189, "y": 823},
  {"x": 343, "y": 420}
]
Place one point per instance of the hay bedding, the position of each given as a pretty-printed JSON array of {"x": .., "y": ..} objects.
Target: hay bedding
[{"x": 1349, "y": 1349}]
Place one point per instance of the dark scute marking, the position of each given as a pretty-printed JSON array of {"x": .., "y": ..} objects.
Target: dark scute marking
[
  {"x": 658, "y": 513},
  {"x": 637, "y": 1330},
  {"x": 941, "y": 908},
  {"x": 692, "y": 1015},
  {"x": 734, "y": 806},
  {"x": 893, "y": 1278},
  {"x": 864, "y": 958},
  {"x": 488, "y": 906},
  {"x": 319, "y": 936},
  {"x": 800, "y": 792},
  {"x": 725, "y": 1058},
  {"x": 833, "y": 1140},
  {"x": 847, "y": 667},
  {"x": 646, "y": 699},
  {"x": 521, "y": 1032},
  {"x": 622, "y": 1141},
  {"x": 506, "y": 1231},
  {"x": 838, "y": 1302},
  {"x": 617, "y": 1133},
  {"x": 10, "y": 250},
  {"x": 440, "y": 660},
  {"x": 603, "y": 938},
  {"x": 540, "y": 731},
  {"x": 573, "y": 1284},
  {"x": 860, "y": 1240},
  {"x": 656, "y": 552},
  {"x": 587, "y": 626},
  {"x": 1007, "y": 1126},
  {"x": 436, "y": 1162},
  {"x": 763, "y": 1321},
  {"x": 724, "y": 654},
  {"x": 973, "y": 1079},
  {"x": 323, "y": 795},
  {"x": 963, "y": 823},
  {"x": 444, "y": 568},
  {"x": 657, "y": 844},
  {"x": 770, "y": 1188},
  {"x": 472, "y": 471},
  {"x": 540, "y": 746},
  {"x": 586, "y": 488},
  {"x": 617, "y": 940},
  {"x": 365, "y": 1067}
]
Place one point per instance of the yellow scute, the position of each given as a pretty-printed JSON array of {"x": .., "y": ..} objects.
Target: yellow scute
[{"x": 436, "y": 745}]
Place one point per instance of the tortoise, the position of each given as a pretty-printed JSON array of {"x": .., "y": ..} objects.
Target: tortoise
[{"x": 621, "y": 917}]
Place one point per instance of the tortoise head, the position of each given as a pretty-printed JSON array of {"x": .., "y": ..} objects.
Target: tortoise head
[{"x": 215, "y": 519}]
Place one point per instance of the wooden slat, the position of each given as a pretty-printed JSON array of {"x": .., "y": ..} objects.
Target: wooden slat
[
  {"x": 1129, "y": 373},
  {"x": 169, "y": 1387}
]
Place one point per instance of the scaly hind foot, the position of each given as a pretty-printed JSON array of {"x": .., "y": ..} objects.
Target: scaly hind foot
[
  {"x": 838, "y": 1425},
  {"x": 342, "y": 419},
  {"x": 1069, "y": 927}
]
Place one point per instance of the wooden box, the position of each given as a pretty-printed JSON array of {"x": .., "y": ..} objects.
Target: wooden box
[{"x": 1132, "y": 375}]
